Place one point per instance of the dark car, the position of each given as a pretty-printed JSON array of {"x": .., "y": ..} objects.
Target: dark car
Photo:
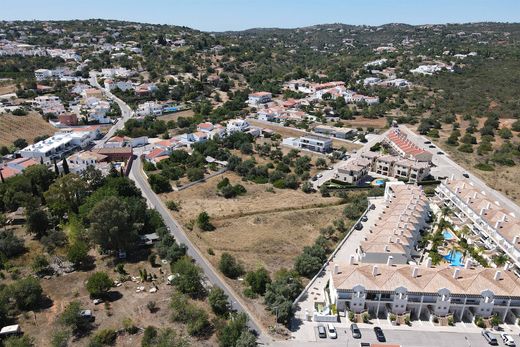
[
  {"x": 465, "y": 175},
  {"x": 379, "y": 334},
  {"x": 440, "y": 153},
  {"x": 427, "y": 142},
  {"x": 359, "y": 226},
  {"x": 356, "y": 333},
  {"x": 364, "y": 218},
  {"x": 322, "y": 333}
]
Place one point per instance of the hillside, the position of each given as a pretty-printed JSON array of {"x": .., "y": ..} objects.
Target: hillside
[{"x": 26, "y": 127}]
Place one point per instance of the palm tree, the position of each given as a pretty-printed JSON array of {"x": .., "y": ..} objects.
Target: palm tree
[{"x": 500, "y": 259}]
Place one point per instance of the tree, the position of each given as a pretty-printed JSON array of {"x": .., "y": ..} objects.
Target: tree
[
  {"x": 258, "y": 280},
  {"x": 10, "y": 244},
  {"x": 27, "y": 293},
  {"x": 60, "y": 338},
  {"x": 281, "y": 292},
  {"x": 110, "y": 225},
  {"x": 162, "y": 338},
  {"x": 40, "y": 264},
  {"x": 321, "y": 163},
  {"x": 98, "y": 284},
  {"x": 72, "y": 318},
  {"x": 246, "y": 339},
  {"x": 37, "y": 222},
  {"x": 77, "y": 252},
  {"x": 20, "y": 143},
  {"x": 159, "y": 183},
  {"x": 307, "y": 265},
  {"x": 307, "y": 187},
  {"x": 229, "y": 266},
  {"x": 204, "y": 223},
  {"x": 195, "y": 174},
  {"x": 65, "y": 166},
  {"x": 66, "y": 194},
  {"x": 218, "y": 300},
  {"x": 188, "y": 280},
  {"x": 230, "y": 333}
]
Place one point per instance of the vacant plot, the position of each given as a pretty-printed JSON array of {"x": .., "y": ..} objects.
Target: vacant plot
[
  {"x": 362, "y": 122},
  {"x": 26, "y": 127},
  {"x": 260, "y": 228},
  {"x": 176, "y": 115}
]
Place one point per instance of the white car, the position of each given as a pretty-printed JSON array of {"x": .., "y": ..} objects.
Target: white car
[
  {"x": 332, "y": 331},
  {"x": 508, "y": 339}
]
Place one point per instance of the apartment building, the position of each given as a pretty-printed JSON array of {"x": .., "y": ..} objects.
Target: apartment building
[
  {"x": 399, "y": 144},
  {"x": 494, "y": 224},
  {"x": 353, "y": 170},
  {"x": 79, "y": 162},
  {"x": 425, "y": 291},
  {"x": 394, "y": 235}
]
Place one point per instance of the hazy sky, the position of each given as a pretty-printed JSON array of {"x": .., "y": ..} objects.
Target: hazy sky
[{"x": 219, "y": 15}]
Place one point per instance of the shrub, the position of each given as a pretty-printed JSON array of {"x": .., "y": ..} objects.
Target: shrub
[
  {"x": 27, "y": 293},
  {"x": 172, "y": 205},
  {"x": 10, "y": 244},
  {"x": 203, "y": 222},
  {"x": 258, "y": 280},
  {"x": 218, "y": 301},
  {"x": 105, "y": 337},
  {"x": 229, "y": 266}
]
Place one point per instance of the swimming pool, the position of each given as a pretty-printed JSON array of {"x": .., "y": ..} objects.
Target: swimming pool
[
  {"x": 378, "y": 182},
  {"x": 454, "y": 258},
  {"x": 448, "y": 235}
]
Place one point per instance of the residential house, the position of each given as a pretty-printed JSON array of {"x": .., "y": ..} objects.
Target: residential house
[{"x": 260, "y": 98}]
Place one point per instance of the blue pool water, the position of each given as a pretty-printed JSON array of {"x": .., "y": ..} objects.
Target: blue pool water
[
  {"x": 447, "y": 235},
  {"x": 454, "y": 258},
  {"x": 378, "y": 182}
]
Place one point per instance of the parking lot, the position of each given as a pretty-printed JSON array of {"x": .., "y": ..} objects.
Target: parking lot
[{"x": 405, "y": 336}]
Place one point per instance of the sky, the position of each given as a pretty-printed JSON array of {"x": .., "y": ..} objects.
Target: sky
[{"x": 222, "y": 15}]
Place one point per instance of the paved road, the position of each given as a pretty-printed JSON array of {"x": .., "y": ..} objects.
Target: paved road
[
  {"x": 126, "y": 111},
  {"x": 409, "y": 338},
  {"x": 176, "y": 230},
  {"x": 445, "y": 167}
]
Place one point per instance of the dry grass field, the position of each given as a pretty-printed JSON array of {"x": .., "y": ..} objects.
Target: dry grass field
[
  {"x": 25, "y": 127},
  {"x": 176, "y": 115},
  {"x": 260, "y": 228}
]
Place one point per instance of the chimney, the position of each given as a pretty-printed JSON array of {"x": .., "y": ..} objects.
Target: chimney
[
  {"x": 482, "y": 211},
  {"x": 498, "y": 275},
  {"x": 467, "y": 264},
  {"x": 390, "y": 260},
  {"x": 351, "y": 259},
  {"x": 428, "y": 262},
  {"x": 506, "y": 266},
  {"x": 515, "y": 239},
  {"x": 390, "y": 239},
  {"x": 456, "y": 272},
  {"x": 336, "y": 269},
  {"x": 375, "y": 271},
  {"x": 452, "y": 177},
  {"x": 503, "y": 218},
  {"x": 386, "y": 248},
  {"x": 463, "y": 185},
  {"x": 488, "y": 205},
  {"x": 415, "y": 271},
  {"x": 498, "y": 224},
  {"x": 474, "y": 195},
  {"x": 398, "y": 241}
]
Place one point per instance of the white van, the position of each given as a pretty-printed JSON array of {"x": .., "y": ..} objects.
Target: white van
[{"x": 332, "y": 331}]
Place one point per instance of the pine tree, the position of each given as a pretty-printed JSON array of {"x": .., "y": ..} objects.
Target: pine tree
[
  {"x": 56, "y": 170},
  {"x": 65, "y": 165}
]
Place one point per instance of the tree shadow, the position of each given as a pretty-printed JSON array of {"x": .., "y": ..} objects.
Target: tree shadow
[{"x": 113, "y": 296}]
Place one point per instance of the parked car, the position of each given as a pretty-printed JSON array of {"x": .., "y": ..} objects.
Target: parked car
[
  {"x": 332, "y": 331},
  {"x": 490, "y": 338},
  {"x": 10, "y": 330},
  {"x": 431, "y": 146},
  {"x": 322, "y": 333},
  {"x": 440, "y": 153},
  {"x": 319, "y": 175},
  {"x": 379, "y": 334},
  {"x": 508, "y": 339},
  {"x": 427, "y": 142},
  {"x": 356, "y": 333},
  {"x": 87, "y": 314},
  {"x": 364, "y": 218},
  {"x": 97, "y": 301},
  {"x": 314, "y": 178},
  {"x": 359, "y": 226},
  {"x": 465, "y": 175}
]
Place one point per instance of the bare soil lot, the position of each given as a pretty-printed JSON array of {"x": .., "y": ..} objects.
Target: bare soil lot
[
  {"x": 125, "y": 302},
  {"x": 25, "y": 127},
  {"x": 362, "y": 122},
  {"x": 176, "y": 115}
]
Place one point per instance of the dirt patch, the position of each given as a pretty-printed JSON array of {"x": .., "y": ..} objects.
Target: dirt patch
[
  {"x": 25, "y": 127},
  {"x": 176, "y": 115},
  {"x": 362, "y": 122}
]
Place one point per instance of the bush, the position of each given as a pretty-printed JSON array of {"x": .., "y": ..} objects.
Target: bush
[
  {"x": 258, "y": 280},
  {"x": 77, "y": 252},
  {"x": 10, "y": 244},
  {"x": 98, "y": 284},
  {"x": 195, "y": 174},
  {"x": 204, "y": 223},
  {"x": 27, "y": 293},
  {"x": 70, "y": 317},
  {"x": 188, "y": 280},
  {"x": 172, "y": 205},
  {"x": 19, "y": 341},
  {"x": 229, "y": 266},
  {"x": 129, "y": 326},
  {"x": 185, "y": 312},
  {"x": 105, "y": 337}
]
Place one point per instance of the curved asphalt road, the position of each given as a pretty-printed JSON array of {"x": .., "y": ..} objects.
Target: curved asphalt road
[{"x": 138, "y": 176}]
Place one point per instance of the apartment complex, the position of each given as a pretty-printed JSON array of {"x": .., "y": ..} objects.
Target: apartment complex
[
  {"x": 393, "y": 237},
  {"x": 399, "y": 144},
  {"x": 495, "y": 225},
  {"x": 353, "y": 170},
  {"x": 425, "y": 291}
]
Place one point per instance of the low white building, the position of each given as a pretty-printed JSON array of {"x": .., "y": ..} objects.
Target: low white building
[
  {"x": 42, "y": 74},
  {"x": 235, "y": 125},
  {"x": 149, "y": 108},
  {"x": 259, "y": 98},
  {"x": 79, "y": 162},
  {"x": 310, "y": 142}
]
